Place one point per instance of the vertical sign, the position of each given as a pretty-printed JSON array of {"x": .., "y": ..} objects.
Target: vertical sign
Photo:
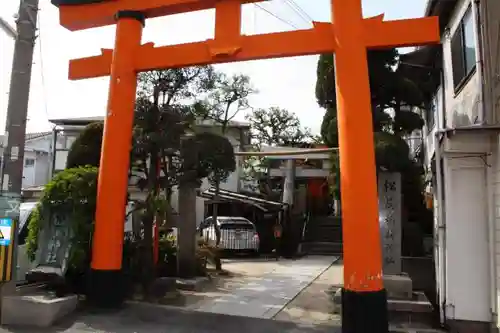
[
  {"x": 6, "y": 248},
  {"x": 389, "y": 189},
  {"x": 5, "y": 231}
]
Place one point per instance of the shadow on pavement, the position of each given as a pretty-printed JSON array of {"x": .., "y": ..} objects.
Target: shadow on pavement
[{"x": 146, "y": 318}]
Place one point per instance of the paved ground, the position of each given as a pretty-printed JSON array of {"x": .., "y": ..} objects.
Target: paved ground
[
  {"x": 156, "y": 319},
  {"x": 257, "y": 290},
  {"x": 264, "y": 295},
  {"x": 295, "y": 294},
  {"x": 314, "y": 304}
]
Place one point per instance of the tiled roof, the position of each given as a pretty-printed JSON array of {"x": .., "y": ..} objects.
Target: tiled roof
[
  {"x": 29, "y": 136},
  {"x": 36, "y": 135}
]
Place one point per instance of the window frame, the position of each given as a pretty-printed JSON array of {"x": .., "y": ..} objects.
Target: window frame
[
  {"x": 430, "y": 112},
  {"x": 458, "y": 52},
  {"x": 29, "y": 165}
]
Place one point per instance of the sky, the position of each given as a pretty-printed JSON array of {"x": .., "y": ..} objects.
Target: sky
[{"x": 287, "y": 83}]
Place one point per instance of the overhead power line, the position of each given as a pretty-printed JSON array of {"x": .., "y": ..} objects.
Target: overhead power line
[
  {"x": 298, "y": 10},
  {"x": 276, "y": 16}
]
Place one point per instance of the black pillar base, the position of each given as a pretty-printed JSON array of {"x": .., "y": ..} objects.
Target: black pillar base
[
  {"x": 105, "y": 289},
  {"x": 364, "y": 312}
]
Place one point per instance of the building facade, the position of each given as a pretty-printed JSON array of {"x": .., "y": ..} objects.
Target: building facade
[
  {"x": 67, "y": 130},
  {"x": 36, "y": 170},
  {"x": 461, "y": 146}
]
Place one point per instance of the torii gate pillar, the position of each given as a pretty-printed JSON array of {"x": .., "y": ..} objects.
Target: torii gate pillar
[{"x": 364, "y": 299}]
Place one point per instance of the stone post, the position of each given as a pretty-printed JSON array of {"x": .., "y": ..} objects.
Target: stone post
[
  {"x": 389, "y": 189},
  {"x": 186, "y": 235},
  {"x": 289, "y": 183}
]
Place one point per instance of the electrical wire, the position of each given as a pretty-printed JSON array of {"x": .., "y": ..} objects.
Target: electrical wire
[
  {"x": 299, "y": 11},
  {"x": 42, "y": 68},
  {"x": 276, "y": 16}
]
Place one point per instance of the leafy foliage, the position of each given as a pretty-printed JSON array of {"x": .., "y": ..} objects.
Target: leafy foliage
[
  {"x": 394, "y": 94},
  {"x": 71, "y": 194},
  {"x": 391, "y": 90},
  {"x": 227, "y": 99},
  {"x": 157, "y": 131},
  {"x": 277, "y": 127},
  {"x": 216, "y": 156},
  {"x": 86, "y": 149}
]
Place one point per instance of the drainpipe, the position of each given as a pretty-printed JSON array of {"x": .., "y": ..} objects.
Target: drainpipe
[
  {"x": 491, "y": 240},
  {"x": 53, "y": 152},
  {"x": 476, "y": 17},
  {"x": 441, "y": 230}
]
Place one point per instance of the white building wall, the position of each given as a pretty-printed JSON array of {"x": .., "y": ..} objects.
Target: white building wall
[
  {"x": 491, "y": 21},
  {"x": 465, "y": 289},
  {"x": 29, "y": 169},
  {"x": 40, "y": 148},
  {"x": 467, "y": 255},
  {"x": 463, "y": 107},
  {"x": 495, "y": 189},
  {"x": 43, "y": 143},
  {"x": 42, "y": 169}
]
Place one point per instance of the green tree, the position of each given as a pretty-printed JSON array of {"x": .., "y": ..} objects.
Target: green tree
[
  {"x": 273, "y": 127},
  {"x": 167, "y": 108},
  {"x": 394, "y": 96},
  {"x": 86, "y": 149},
  {"x": 228, "y": 98},
  {"x": 277, "y": 127},
  {"x": 164, "y": 113},
  {"x": 390, "y": 91}
]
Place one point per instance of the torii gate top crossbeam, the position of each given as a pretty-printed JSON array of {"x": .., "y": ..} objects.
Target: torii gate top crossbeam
[
  {"x": 228, "y": 45},
  {"x": 318, "y": 40},
  {"x": 86, "y": 14}
]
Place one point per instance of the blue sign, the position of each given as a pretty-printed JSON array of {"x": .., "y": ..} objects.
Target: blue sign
[{"x": 5, "y": 231}]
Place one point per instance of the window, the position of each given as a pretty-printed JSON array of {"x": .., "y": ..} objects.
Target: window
[
  {"x": 29, "y": 162},
  {"x": 236, "y": 225},
  {"x": 463, "y": 50},
  {"x": 430, "y": 113}
]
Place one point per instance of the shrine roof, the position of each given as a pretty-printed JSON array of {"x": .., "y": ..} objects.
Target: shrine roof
[
  {"x": 306, "y": 156},
  {"x": 230, "y": 196},
  {"x": 84, "y": 121}
]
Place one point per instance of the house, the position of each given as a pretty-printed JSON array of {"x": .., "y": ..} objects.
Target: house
[
  {"x": 461, "y": 147},
  {"x": 37, "y": 149},
  {"x": 67, "y": 130}
]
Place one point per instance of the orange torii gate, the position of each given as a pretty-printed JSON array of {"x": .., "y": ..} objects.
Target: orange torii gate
[{"x": 348, "y": 36}]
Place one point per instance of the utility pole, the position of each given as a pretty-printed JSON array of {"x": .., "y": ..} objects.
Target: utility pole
[{"x": 15, "y": 127}]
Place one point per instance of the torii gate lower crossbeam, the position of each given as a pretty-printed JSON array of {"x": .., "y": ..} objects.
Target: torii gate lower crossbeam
[{"x": 349, "y": 36}]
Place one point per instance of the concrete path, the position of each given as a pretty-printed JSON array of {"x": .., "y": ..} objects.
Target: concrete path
[
  {"x": 314, "y": 305},
  {"x": 265, "y": 296},
  {"x": 146, "y": 318}
]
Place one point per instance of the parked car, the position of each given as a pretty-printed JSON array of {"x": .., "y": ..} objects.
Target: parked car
[
  {"x": 24, "y": 265},
  {"x": 237, "y": 233}
]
